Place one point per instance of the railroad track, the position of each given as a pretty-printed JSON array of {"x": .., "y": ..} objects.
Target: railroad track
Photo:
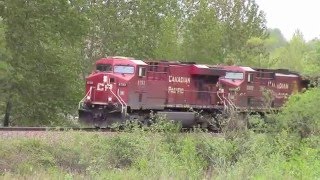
[
  {"x": 55, "y": 129},
  {"x": 62, "y": 129}
]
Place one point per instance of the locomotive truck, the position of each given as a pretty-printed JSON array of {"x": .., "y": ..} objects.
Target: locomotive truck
[{"x": 122, "y": 88}]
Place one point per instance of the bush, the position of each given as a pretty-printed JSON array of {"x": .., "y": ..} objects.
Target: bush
[
  {"x": 160, "y": 152},
  {"x": 123, "y": 151},
  {"x": 301, "y": 114}
]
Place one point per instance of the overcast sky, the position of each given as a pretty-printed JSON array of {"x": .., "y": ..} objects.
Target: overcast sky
[{"x": 289, "y": 15}]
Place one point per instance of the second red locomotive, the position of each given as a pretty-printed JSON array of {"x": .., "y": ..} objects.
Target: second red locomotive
[{"x": 122, "y": 88}]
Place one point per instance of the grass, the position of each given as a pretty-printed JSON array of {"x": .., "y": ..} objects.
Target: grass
[
  {"x": 164, "y": 155},
  {"x": 282, "y": 146}
]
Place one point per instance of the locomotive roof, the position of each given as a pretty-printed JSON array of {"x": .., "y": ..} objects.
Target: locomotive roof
[
  {"x": 247, "y": 68},
  {"x": 286, "y": 75},
  {"x": 237, "y": 68},
  {"x": 201, "y": 66},
  {"x": 111, "y": 59},
  {"x": 139, "y": 62}
]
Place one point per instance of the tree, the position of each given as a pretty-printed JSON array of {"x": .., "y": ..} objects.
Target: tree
[
  {"x": 168, "y": 43},
  {"x": 4, "y": 74},
  {"x": 141, "y": 29},
  {"x": 311, "y": 59},
  {"x": 222, "y": 28},
  {"x": 242, "y": 20},
  {"x": 275, "y": 40},
  {"x": 53, "y": 42},
  {"x": 43, "y": 38},
  {"x": 255, "y": 53},
  {"x": 166, "y": 29},
  {"x": 291, "y": 56},
  {"x": 301, "y": 114},
  {"x": 203, "y": 36}
]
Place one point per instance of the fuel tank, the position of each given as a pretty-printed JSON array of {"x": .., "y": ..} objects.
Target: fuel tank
[{"x": 187, "y": 119}]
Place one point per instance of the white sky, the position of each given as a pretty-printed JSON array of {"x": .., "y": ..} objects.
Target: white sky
[{"x": 289, "y": 15}]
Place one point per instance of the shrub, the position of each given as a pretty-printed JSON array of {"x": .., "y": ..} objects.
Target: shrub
[
  {"x": 301, "y": 114},
  {"x": 123, "y": 151}
]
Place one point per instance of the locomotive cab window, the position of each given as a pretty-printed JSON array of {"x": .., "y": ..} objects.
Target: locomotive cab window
[
  {"x": 123, "y": 69},
  {"x": 234, "y": 75},
  {"x": 104, "y": 67},
  {"x": 250, "y": 77},
  {"x": 142, "y": 71}
]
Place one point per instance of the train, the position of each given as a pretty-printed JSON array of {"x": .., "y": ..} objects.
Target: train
[{"x": 123, "y": 88}]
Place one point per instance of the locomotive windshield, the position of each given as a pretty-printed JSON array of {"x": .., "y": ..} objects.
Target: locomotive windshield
[
  {"x": 234, "y": 75},
  {"x": 104, "y": 67},
  {"x": 123, "y": 69}
]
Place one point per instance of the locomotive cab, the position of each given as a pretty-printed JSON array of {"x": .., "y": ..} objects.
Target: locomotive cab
[{"x": 107, "y": 90}]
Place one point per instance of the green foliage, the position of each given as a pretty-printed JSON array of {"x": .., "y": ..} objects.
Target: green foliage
[
  {"x": 275, "y": 40},
  {"x": 241, "y": 20},
  {"x": 4, "y": 68},
  {"x": 255, "y": 54},
  {"x": 168, "y": 45},
  {"x": 162, "y": 124},
  {"x": 43, "y": 37},
  {"x": 296, "y": 55},
  {"x": 199, "y": 31},
  {"x": 52, "y": 44},
  {"x": 311, "y": 63},
  {"x": 202, "y": 40},
  {"x": 301, "y": 114},
  {"x": 293, "y": 53},
  {"x": 124, "y": 151},
  {"x": 140, "y": 155}
]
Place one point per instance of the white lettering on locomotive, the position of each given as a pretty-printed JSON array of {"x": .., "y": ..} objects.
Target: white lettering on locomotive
[
  {"x": 175, "y": 90},
  {"x": 283, "y": 86},
  {"x": 185, "y": 80},
  {"x": 103, "y": 87},
  {"x": 250, "y": 88},
  {"x": 278, "y": 85},
  {"x": 141, "y": 82},
  {"x": 272, "y": 84},
  {"x": 105, "y": 79}
]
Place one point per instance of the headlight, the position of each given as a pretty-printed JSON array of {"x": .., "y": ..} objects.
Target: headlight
[
  {"x": 109, "y": 99},
  {"x": 88, "y": 98}
]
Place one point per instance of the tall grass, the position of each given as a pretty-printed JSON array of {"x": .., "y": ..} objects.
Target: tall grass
[
  {"x": 277, "y": 150},
  {"x": 145, "y": 155}
]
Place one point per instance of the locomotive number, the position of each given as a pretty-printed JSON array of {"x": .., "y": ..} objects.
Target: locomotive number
[
  {"x": 250, "y": 88},
  {"x": 141, "y": 82}
]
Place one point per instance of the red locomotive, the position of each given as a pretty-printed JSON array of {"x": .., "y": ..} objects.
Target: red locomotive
[{"x": 122, "y": 88}]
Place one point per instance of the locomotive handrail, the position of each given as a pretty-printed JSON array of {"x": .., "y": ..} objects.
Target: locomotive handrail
[
  {"x": 88, "y": 94},
  {"x": 122, "y": 102},
  {"x": 226, "y": 101},
  {"x": 124, "y": 107},
  {"x": 222, "y": 100},
  {"x": 118, "y": 93},
  {"x": 230, "y": 103}
]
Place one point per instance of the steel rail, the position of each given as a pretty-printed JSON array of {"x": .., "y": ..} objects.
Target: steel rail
[{"x": 54, "y": 129}]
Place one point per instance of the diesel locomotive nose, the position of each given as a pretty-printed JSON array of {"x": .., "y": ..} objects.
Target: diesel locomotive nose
[{"x": 102, "y": 89}]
